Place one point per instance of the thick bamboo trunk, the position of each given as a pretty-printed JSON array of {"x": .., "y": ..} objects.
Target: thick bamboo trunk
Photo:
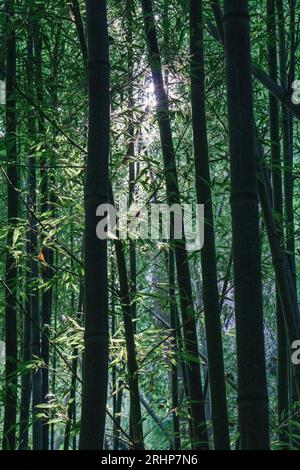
[
  {"x": 252, "y": 384},
  {"x": 95, "y": 376}
]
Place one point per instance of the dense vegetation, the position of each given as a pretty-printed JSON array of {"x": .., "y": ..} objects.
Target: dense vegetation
[{"x": 141, "y": 342}]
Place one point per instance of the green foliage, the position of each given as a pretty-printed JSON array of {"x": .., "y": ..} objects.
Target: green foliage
[{"x": 63, "y": 146}]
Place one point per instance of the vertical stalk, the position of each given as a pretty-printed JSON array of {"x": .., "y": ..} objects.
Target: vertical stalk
[
  {"x": 174, "y": 365},
  {"x": 95, "y": 376},
  {"x": 289, "y": 212},
  {"x": 72, "y": 399},
  {"x": 282, "y": 368},
  {"x": 11, "y": 269},
  {"x": 26, "y": 378},
  {"x": 34, "y": 294},
  {"x": 208, "y": 252},
  {"x": 200, "y": 439},
  {"x": 252, "y": 384},
  {"x": 47, "y": 253},
  {"x": 132, "y": 365},
  {"x": 54, "y": 364},
  {"x": 130, "y": 151}
]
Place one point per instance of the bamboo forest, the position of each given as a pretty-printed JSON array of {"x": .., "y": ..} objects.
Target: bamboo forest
[{"x": 149, "y": 231}]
